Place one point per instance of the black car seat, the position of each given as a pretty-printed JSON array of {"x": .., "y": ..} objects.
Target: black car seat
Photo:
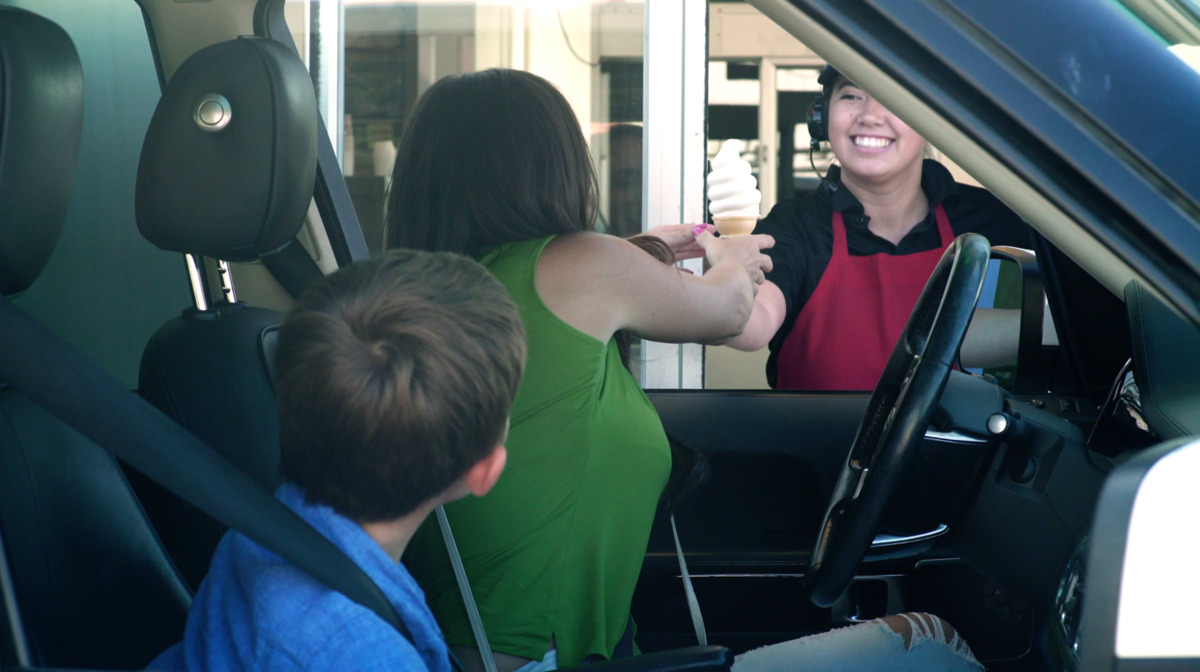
[
  {"x": 84, "y": 581},
  {"x": 75, "y": 543},
  {"x": 227, "y": 172}
]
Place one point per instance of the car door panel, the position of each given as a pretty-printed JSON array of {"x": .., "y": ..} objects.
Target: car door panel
[
  {"x": 772, "y": 459},
  {"x": 747, "y": 528}
]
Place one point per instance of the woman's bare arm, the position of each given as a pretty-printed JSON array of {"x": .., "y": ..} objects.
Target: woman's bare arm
[{"x": 600, "y": 284}]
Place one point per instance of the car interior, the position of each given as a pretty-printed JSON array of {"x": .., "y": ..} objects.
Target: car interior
[
  {"x": 88, "y": 582},
  {"x": 980, "y": 504}
]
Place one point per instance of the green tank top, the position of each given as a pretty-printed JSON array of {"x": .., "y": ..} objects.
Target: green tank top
[{"x": 555, "y": 549}]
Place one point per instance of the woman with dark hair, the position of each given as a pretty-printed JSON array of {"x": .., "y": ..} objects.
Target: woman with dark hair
[
  {"x": 489, "y": 158},
  {"x": 854, "y": 255},
  {"x": 494, "y": 164}
]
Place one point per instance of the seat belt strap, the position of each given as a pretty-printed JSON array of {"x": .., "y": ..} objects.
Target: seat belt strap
[
  {"x": 693, "y": 603},
  {"x": 464, "y": 587},
  {"x": 52, "y": 374}
]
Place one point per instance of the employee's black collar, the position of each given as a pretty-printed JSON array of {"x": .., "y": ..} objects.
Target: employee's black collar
[{"x": 936, "y": 181}]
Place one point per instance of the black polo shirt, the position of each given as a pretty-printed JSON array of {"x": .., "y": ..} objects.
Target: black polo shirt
[{"x": 803, "y": 231}]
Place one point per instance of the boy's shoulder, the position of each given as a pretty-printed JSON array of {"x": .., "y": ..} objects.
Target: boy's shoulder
[
  {"x": 336, "y": 635},
  {"x": 256, "y": 611},
  {"x": 304, "y": 629},
  {"x": 302, "y": 624}
]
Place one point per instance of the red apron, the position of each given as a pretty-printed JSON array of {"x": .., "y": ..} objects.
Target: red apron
[{"x": 843, "y": 336}]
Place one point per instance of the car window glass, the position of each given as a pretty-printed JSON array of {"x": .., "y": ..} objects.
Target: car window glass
[
  {"x": 1002, "y": 291},
  {"x": 107, "y": 315},
  {"x": 761, "y": 83}
]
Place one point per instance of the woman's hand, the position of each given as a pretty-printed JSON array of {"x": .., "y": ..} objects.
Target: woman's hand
[
  {"x": 744, "y": 250},
  {"x": 681, "y": 238}
]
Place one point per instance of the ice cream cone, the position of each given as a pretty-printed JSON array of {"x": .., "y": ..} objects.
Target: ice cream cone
[{"x": 735, "y": 225}]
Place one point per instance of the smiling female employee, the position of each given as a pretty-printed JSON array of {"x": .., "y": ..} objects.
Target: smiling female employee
[{"x": 851, "y": 258}]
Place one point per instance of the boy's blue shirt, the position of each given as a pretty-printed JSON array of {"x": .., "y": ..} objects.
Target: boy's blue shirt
[{"x": 254, "y": 611}]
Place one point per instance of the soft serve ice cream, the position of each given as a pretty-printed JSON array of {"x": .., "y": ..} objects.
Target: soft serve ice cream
[{"x": 733, "y": 194}]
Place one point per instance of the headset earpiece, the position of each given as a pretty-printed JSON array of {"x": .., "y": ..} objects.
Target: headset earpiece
[
  {"x": 818, "y": 123},
  {"x": 817, "y": 131}
]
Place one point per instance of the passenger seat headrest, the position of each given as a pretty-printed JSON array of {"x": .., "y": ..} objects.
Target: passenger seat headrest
[
  {"x": 230, "y": 159},
  {"x": 41, "y": 119}
]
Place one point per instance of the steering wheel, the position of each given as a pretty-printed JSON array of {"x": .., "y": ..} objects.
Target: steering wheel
[{"x": 896, "y": 418}]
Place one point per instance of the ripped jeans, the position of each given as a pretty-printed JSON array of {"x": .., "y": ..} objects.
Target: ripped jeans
[
  {"x": 898, "y": 643},
  {"x": 914, "y": 642}
]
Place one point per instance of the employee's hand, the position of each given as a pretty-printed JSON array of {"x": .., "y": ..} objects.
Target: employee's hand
[{"x": 746, "y": 250}]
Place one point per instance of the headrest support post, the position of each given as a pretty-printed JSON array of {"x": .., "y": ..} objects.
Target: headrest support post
[
  {"x": 226, "y": 281},
  {"x": 196, "y": 277}
]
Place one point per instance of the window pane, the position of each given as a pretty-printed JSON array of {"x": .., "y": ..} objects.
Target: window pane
[
  {"x": 390, "y": 52},
  {"x": 762, "y": 82}
]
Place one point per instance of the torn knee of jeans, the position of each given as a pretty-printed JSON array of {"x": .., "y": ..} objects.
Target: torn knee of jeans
[{"x": 914, "y": 628}]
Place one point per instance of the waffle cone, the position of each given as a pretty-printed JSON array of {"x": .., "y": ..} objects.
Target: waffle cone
[{"x": 736, "y": 225}]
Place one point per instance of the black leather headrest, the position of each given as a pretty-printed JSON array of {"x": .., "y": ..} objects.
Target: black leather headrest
[
  {"x": 1166, "y": 363},
  {"x": 41, "y": 116},
  {"x": 230, "y": 158}
]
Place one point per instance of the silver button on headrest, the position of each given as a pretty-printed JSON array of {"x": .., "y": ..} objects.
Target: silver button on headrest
[{"x": 212, "y": 112}]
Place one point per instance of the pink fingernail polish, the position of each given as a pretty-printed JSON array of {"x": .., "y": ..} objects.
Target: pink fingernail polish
[{"x": 699, "y": 229}]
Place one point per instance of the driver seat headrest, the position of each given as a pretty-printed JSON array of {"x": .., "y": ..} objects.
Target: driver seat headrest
[
  {"x": 230, "y": 158},
  {"x": 41, "y": 120}
]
